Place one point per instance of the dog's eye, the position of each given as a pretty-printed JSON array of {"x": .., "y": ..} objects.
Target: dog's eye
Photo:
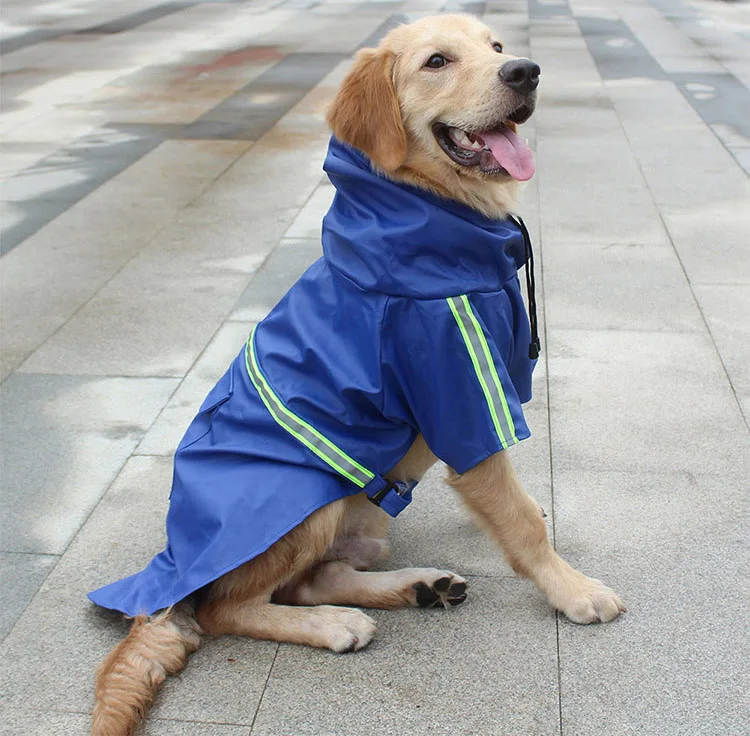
[
  {"x": 436, "y": 61},
  {"x": 498, "y": 47}
]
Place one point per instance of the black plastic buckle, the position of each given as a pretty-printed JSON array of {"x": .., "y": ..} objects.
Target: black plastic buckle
[{"x": 394, "y": 497}]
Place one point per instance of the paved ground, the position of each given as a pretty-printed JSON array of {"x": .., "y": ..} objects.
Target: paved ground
[{"x": 164, "y": 188}]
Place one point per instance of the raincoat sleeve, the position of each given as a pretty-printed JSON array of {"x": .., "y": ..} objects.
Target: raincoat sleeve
[{"x": 451, "y": 378}]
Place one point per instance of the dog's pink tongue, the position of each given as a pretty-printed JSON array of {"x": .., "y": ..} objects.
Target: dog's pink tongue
[{"x": 510, "y": 152}]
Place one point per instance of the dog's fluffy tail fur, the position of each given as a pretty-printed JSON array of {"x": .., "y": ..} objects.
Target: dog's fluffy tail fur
[{"x": 130, "y": 675}]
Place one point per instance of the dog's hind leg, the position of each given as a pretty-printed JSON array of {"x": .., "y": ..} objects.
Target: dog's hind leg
[
  {"x": 359, "y": 552},
  {"x": 239, "y": 603},
  {"x": 492, "y": 491},
  {"x": 327, "y": 627},
  {"x": 338, "y": 583}
]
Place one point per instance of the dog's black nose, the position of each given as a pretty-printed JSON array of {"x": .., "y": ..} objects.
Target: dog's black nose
[{"x": 521, "y": 74}]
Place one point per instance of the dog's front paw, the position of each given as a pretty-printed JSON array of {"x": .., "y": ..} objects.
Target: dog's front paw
[
  {"x": 439, "y": 590},
  {"x": 346, "y": 629},
  {"x": 592, "y": 602}
]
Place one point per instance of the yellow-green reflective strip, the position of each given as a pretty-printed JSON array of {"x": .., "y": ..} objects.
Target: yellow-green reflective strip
[
  {"x": 299, "y": 428},
  {"x": 484, "y": 367}
]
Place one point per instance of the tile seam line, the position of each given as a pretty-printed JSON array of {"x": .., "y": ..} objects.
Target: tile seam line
[
  {"x": 156, "y": 234},
  {"x": 155, "y": 720},
  {"x": 548, "y": 397},
  {"x": 94, "y": 376},
  {"x": 689, "y": 283},
  {"x": 265, "y": 687}
]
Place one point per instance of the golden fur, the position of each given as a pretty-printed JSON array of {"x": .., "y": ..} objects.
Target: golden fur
[{"x": 296, "y": 591}]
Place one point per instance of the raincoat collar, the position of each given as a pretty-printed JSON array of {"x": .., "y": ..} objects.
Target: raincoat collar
[{"x": 396, "y": 239}]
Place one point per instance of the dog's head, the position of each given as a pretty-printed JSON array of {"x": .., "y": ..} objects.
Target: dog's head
[{"x": 437, "y": 105}]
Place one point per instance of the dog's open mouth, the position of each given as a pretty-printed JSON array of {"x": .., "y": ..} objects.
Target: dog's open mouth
[{"x": 496, "y": 151}]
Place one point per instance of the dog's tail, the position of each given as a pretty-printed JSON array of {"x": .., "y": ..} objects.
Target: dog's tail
[{"x": 130, "y": 675}]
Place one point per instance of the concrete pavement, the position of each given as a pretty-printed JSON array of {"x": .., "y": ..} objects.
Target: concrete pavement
[{"x": 163, "y": 189}]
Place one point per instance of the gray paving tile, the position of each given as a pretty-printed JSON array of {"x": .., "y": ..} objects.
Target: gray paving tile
[
  {"x": 153, "y": 319},
  {"x": 580, "y": 200},
  {"x": 348, "y": 34},
  {"x": 641, "y": 401},
  {"x": 222, "y": 683},
  {"x": 19, "y": 722},
  {"x": 308, "y": 222},
  {"x": 717, "y": 98},
  {"x": 672, "y": 49},
  {"x": 742, "y": 156},
  {"x": 90, "y": 162},
  {"x": 59, "y": 268},
  {"x": 21, "y": 576},
  {"x": 660, "y": 540},
  {"x": 64, "y": 440},
  {"x": 618, "y": 286},
  {"x": 120, "y": 537},
  {"x": 618, "y": 53},
  {"x": 443, "y": 672},
  {"x": 744, "y": 400},
  {"x": 687, "y": 169},
  {"x": 387, "y": 25},
  {"x": 251, "y": 112},
  {"x": 283, "y": 267},
  {"x": 166, "y": 432},
  {"x": 29, "y": 38},
  {"x": 726, "y": 309},
  {"x": 133, "y": 20},
  {"x": 712, "y": 241},
  {"x": 158, "y": 313},
  {"x": 194, "y": 728}
]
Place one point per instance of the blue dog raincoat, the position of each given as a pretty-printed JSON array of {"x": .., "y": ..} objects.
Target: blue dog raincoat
[{"x": 412, "y": 322}]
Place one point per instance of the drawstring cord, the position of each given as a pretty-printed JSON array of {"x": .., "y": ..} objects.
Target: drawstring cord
[{"x": 535, "y": 345}]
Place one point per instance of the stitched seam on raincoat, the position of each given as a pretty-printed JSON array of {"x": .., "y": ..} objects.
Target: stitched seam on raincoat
[
  {"x": 285, "y": 418},
  {"x": 491, "y": 364},
  {"x": 482, "y": 371}
]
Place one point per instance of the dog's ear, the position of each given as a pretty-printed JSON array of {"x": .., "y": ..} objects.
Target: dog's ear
[{"x": 366, "y": 113}]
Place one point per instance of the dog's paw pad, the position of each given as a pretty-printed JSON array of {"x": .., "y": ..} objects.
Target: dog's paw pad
[
  {"x": 449, "y": 590},
  {"x": 426, "y": 596}
]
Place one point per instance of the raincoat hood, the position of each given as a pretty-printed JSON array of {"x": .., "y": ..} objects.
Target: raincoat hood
[{"x": 396, "y": 239}]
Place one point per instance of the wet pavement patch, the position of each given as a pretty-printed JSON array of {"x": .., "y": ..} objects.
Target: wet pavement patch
[
  {"x": 48, "y": 188},
  {"x": 618, "y": 54},
  {"x": 717, "y": 98},
  {"x": 252, "y": 111}
]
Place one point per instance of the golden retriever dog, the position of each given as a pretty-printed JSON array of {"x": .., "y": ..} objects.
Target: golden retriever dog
[{"x": 416, "y": 107}]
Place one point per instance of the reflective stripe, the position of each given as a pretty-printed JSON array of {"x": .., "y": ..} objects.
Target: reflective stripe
[
  {"x": 484, "y": 366},
  {"x": 299, "y": 428}
]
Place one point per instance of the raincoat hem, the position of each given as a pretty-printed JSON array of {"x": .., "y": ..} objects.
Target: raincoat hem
[{"x": 171, "y": 600}]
